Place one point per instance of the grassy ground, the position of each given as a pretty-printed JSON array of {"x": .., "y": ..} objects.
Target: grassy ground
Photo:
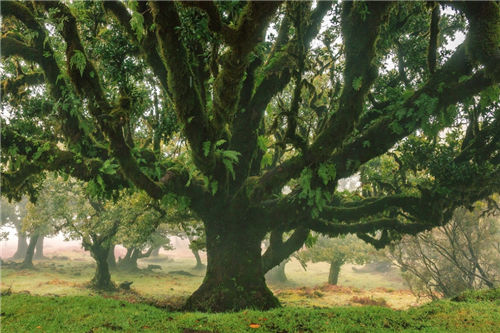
[
  {"x": 25, "y": 313},
  {"x": 68, "y": 275},
  {"x": 32, "y": 302}
]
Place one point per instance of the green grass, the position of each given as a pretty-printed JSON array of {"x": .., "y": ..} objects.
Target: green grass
[
  {"x": 68, "y": 277},
  {"x": 25, "y": 313}
]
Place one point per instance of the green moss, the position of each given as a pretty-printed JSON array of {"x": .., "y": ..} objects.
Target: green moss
[{"x": 23, "y": 313}]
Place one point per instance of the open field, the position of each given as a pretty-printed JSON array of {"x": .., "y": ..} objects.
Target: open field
[
  {"x": 363, "y": 302},
  {"x": 69, "y": 271}
]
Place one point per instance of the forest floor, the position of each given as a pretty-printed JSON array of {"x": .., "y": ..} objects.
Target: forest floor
[
  {"x": 363, "y": 302},
  {"x": 478, "y": 312},
  {"x": 68, "y": 273}
]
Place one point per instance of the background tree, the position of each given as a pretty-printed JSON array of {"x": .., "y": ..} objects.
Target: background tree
[
  {"x": 337, "y": 252},
  {"x": 12, "y": 215},
  {"x": 140, "y": 230},
  {"x": 445, "y": 261},
  {"x": 92, "y": 86}
]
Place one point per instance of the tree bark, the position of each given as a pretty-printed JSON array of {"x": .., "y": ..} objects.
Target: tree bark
[
  {"x": 28, "y": 259},
  {"x": 333, "y": 276},
  {"x": 156, "y": 251},
  {"x": 111, "y": 257},
  {"x": 129, "y": 262},
  {"x": 277, "y": 274},
  {"x": 102, "y": 277},
  {"x": 234, "y": 279},
  {"x": 22, "y": 246},
  {"x": 39, "y": 249},
  {"x": 199, "y": 263}
]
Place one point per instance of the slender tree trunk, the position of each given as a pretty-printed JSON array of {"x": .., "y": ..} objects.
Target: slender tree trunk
[
  {"x": 28, "y": 259},
  {"x": 102, "y": 277},
  {"x": 234, "y": 279},
  {"x": 156, "y": 251},
  {"x": 199, "y": 264},
  {"x": 111, "y": 257},
  {"x": 277, "y": 274},
  {"x": 39, "y": 249},
  {"x": 22, "y": 246},
  {"x": 333, "y": 276}
]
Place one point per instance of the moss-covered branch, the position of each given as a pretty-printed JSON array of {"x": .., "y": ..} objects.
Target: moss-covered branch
[
  {"x": 360, "y": 32},
  {"x": 181, "y": 82},
  {"x": 58, "y": 87},
  {"x": 249, "y": 32},
  {"x": 433, "y": 39},
  {"x": 33, "y": 156},
  {"x": 274, "y": 75},
  {"x": 279, "y": 250},
  {"x": 446, "y": 88},
  {"x": 14, "y": 47},
  {"x": 215, "y": 23},
  {"x": 14, "y": 86}
]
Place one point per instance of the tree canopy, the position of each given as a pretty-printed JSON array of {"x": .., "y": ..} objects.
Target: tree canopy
[{"x": 249, "y": 113}]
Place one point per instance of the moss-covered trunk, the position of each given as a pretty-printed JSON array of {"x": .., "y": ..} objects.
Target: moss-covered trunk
[
  {"x": 199, "y": 264},
  {"x": 102, "y": 277},
  {"x": 22, "y": 246},
  {"x": 28, "y": 259},
  {"x": 111, "y": 257},
  {"x": 129, "y": 262},
  {"x": 335, "y": 266},
  {"x": 39, "y": 249},
  {"x": 234, "y": 279}
]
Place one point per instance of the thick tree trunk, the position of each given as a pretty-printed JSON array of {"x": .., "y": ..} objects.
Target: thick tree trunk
[
  {"x": 102, "y": 277},
  {"x": 234, "y": 279},
  {"x": 333, "y": 276},
  {"x": 199, "y": 264},
  {"x": 28, "y": 259},
  {"x": 39, "y": 249},
  {"x": 129, "y": 262},
  {"x": 111, "y": 257},
  {"x": 277, "y": 274},
  {"x": 22, "y": 246}
]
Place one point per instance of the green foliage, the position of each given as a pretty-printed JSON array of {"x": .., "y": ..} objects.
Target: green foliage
[
  {"x": 79, "y": 61},
  {"x": 344, "y": 249},
  {"x": 327, "y": 172}
]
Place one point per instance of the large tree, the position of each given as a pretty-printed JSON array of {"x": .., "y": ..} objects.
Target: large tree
[{"x": 190, "y": 101}]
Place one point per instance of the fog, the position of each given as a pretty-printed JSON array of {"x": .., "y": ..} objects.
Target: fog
[{"x": 57, "y": 245}]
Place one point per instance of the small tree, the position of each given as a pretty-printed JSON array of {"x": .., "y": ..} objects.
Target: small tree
[
  {"x": 464, "y": 254},
  {"x": 140, "y": 231},
  {"x": 337, "y": 252}
]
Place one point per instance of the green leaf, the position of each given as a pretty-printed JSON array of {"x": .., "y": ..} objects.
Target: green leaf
[
  {"x": 213, "y": 187},
  {"x": 229, "y": 167},
  {"x": 231, "y": 155},
  {"x": 137, "y": 24},
  {"x": 327, "y": 172},
  {"x": 262, "y": 142},
  {"x": 206, "y": 148},
  {"x": 267, "y": 159},
  {"x": 220, "y": 143},
  {"x": 108, "y": 167},
  {"x": 79, "y": 61},
  {"x": 356, "y": 83}
]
